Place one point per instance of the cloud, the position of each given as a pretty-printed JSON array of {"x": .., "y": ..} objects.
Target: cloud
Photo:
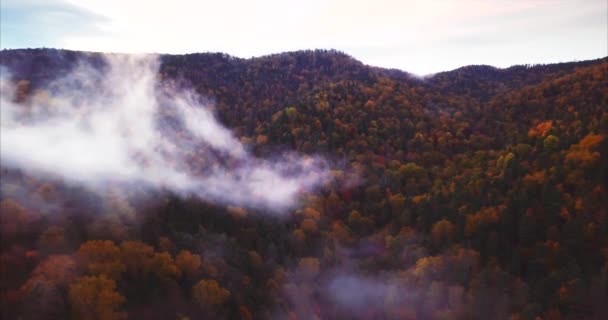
[
  {"x": 448, "y": 285},
  {"x": 356, "y": 292},
  {"x": 38, "y": 23},
  {"x": 118, "y": 125}
]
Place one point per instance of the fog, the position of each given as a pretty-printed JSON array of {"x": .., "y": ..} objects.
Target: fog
[{"x": 121, "y": 126}]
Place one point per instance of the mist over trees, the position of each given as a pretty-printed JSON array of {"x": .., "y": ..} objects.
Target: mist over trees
[{"x": 478, "y": 193}]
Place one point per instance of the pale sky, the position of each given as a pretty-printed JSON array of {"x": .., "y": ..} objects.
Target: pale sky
[{"x": 421, "y": 37}]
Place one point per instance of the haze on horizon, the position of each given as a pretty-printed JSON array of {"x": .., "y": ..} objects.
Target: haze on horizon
[{"x": 421, "y": 37}]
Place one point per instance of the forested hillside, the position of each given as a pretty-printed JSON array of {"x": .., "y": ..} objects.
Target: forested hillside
[{"x": 478, "y": 193}]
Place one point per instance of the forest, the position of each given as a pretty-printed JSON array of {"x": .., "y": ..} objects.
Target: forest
[{"x": 477, "y": 193}]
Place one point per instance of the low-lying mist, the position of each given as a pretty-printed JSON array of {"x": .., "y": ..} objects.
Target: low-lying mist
[{"x": 120, "y": 125}]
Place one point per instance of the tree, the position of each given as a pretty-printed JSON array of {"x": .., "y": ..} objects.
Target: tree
[
  {"x": 551, "y": 143},
  {"x": 583, "y": 153},
  {"x": 443, "y": 231},
  {"x": 102, "y": 257},
  {"x": 397, "y": 202},
  {"x": 309, "y": 267},
  {"x": 541, "y": 130},
  {"x": 309, "y": 225},
  {"x": 42, "y": 300},
  {"x": 189, "y": 264},
  {"x": 96, "y": 298},
  {"x": 15, "y": 219},
  {"x": 58, "y": 270},
  {"x": 163, "y": 266},
  {"x": 53, "y": 240},
  {"x": 483, "y": 217},
  {"x": 43, "y": 296},
  {"x": 137, "y": 257},
  {"x": 208, "y": 293}
]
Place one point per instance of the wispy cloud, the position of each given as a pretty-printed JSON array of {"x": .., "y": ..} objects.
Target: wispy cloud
[
  {"x": 121, "y": 127},
  {"x": 38, "y": 23}
]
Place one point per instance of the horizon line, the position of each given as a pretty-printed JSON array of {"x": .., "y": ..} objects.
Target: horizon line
[{"x": 267, "y": 55}]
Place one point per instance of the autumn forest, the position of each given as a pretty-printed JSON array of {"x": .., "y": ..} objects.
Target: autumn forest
[{"x": 478, "y": 193}]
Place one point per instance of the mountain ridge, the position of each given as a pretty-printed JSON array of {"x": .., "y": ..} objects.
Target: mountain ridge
[
  {"x": 479, "y": 193},
  {"x": 326, "y": 52}
]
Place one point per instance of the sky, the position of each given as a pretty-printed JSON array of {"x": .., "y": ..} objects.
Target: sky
[{"x": 421, "y": 37}]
